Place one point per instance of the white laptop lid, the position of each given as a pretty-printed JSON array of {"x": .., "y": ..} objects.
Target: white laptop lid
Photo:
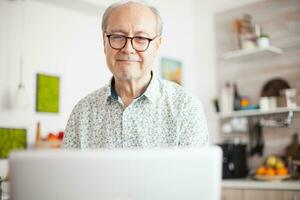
[{"x": 158, "y": 174}]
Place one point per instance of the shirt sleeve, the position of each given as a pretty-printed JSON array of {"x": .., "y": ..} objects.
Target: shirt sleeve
[
  {"x": 193, "y": 128},
  {"x": 71, "y": 138}
]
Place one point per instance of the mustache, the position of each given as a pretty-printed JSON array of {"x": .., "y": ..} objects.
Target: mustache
[{"x": 127, "y": 58}]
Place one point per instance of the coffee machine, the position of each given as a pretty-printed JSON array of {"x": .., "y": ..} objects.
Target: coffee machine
[{"x": 234, "y": 160}]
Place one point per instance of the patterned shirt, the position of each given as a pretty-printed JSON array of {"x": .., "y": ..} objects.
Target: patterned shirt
[{"x": 165, "y": 115}]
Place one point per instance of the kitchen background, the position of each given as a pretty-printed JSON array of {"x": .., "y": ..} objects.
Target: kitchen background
[
  {"x": 63, "y": 38},
  {"x": 280, "y": 21}
]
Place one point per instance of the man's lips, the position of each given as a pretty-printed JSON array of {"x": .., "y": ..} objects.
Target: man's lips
[{"x": 126, "y": 60}]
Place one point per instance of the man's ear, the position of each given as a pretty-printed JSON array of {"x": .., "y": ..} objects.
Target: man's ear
[
  {"x": 104, "y": 42},
  {"x": 158, "y": 43}
]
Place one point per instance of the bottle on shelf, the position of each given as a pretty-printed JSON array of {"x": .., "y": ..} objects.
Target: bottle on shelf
[
  {"x": 38, "y": 134},
  {"x": 237, "y": 98},
  {"x": 227, "y": 98}
]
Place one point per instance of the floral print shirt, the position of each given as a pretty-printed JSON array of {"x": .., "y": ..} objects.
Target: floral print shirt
[{"x": 165, "y": 115}]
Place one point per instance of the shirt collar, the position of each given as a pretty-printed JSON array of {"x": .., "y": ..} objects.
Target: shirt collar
[
  {"x": 113, "y": 92},
  {"x": 151, "y": 92}
]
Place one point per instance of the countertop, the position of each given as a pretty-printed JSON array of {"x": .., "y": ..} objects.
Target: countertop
[
  {"x": 245, "y": 183},
  {"x": 248, "y": 183}
]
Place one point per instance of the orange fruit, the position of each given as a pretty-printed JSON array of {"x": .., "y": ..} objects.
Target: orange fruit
[
  {"x": 282, "y": 171},
  {"x": 261, "y": 170},
  {"x": 270, "y": 172}
]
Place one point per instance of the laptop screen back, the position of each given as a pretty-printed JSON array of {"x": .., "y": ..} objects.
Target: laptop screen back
[{"x": 158, "y": 174}]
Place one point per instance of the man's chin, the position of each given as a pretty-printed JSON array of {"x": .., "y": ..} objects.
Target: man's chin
[
  {"x": 127, "y": 66},
  {"x": 126, "y": 76}
]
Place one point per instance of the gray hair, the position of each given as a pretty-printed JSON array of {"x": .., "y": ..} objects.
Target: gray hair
[{"x": 159, "y": 22}]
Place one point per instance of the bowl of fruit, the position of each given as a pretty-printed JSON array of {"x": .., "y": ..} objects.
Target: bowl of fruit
[
  {"x": 52, "y": 141},
  {"x": 273, "y": 168}
]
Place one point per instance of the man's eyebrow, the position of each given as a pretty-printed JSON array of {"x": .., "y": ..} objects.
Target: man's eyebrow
[
  {"x": 141, "y": 32},
  {"x": 125, "y": 32},
  {"x": 117, "y": 31}
]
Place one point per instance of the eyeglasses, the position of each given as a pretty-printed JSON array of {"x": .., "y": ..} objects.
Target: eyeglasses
[{"x": 138, "y": 43}]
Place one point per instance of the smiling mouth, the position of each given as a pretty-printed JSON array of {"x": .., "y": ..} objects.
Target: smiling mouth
[{"x": 121, "y": 60}]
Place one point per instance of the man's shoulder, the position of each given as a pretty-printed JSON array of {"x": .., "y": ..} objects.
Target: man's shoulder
[
  {"x": 176, "y": 91},
  {"x": 94, "y": 98}
]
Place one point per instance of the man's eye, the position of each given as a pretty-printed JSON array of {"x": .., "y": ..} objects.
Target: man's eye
[
  {"x": 140, "y": 39},
  {"x": 117, "y": 37}
]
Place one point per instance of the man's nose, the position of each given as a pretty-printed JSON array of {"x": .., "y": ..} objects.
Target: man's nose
[{"x": 128, "y": 47}]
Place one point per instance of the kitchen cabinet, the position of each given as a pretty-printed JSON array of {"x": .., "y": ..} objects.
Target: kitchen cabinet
[
  {"x": 250, "y": 194},
  {"x": 232, "y": 194},
  {"x": 291, "y": 195},
  {"x": 248, "y": 189}
]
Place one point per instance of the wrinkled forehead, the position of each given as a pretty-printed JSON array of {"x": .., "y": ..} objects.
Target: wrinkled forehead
[{"x": 132, "y": 18}]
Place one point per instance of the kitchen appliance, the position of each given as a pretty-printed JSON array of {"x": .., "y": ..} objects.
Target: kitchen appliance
[{"x": 234, "y": 160}]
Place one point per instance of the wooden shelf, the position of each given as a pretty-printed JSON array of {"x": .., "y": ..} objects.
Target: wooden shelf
[
  {"x": 257, "y": 112},
  {"x": 252, "y": 52}
]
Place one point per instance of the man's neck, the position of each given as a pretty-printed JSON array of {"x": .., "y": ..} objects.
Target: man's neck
[{"x": 130, "y": 89}]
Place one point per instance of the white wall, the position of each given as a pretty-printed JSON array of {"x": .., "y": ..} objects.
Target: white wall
[{"x": 59, "y": 40}]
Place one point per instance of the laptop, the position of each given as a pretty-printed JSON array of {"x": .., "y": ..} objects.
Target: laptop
[{"x": 156, "y": 174}]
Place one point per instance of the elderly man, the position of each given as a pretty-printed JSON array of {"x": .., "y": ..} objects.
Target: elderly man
[{"x": 136, "y": 109}]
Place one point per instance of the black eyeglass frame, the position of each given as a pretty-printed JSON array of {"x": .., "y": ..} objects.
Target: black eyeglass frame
[{"x": 131, "y": 41}]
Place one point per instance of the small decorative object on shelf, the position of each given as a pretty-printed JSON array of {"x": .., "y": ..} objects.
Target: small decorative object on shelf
[
  {"x": 245, "y": 32},
  {"x": 262, "y": 40},
  {"x": 267, "y": 103},
  {"x": 237, "y": 98},
  {"x": 251, "y": 39},
  {"x": 290, "y": 97},
  {"x": 216, "y": 103},
  {"x": 250, "y": 36},
  {"x": 231, "y": 100},
  {"x": 227, "y": 98},
  {"x": 52, "y": 141}
]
